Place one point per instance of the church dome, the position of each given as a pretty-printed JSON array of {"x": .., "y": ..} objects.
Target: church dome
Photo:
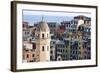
[{"x": 43, "y": 26}]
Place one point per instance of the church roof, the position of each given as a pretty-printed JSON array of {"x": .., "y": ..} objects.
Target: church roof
[{"x": 43, "y": 26}]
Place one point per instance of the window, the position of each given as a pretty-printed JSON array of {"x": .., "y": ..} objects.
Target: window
[
  {"x": 58, "y": 59},
  {"x": 58, "y": 45},
  {"x": 34, "y": 45},
  {"x": 54, "y": 25},
  {"x": 47, "y": 48},
  {"x": 66, "y": 46},
  {"x": 24, "y": 47},
  {"x": 73, "y": 52},
  {"x": 51, "y": 46},
  {"x": 85, "y": 57},
  {"x": 63, "y": 50},
  {"x": 26, "y": 50},
  {"x": 60, "y": 50},
  {"x": 42, "y": 35},
  {"x": 27, "y": 55},
  {"x": 79, "y": 47},
  {"x": 62, "y": 46},
  {"x": 53, "y": 42},
  {"x": 51, "y": 57},
  {"x": 27, "y": 33},
  {"x": 79, "y": 52},
  {"x": 51, "y": 52},
  {"x": 32, "y": 55},
  {"x": 42, "y": 48}
]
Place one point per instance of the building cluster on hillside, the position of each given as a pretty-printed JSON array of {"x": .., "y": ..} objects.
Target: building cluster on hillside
[{"x": 52, "y": 41}]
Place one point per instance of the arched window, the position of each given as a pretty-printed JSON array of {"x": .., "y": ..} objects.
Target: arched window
[
  {"x": 43, "y": 35},
  {"x": 42, "y": 48},
  {"x": 27, "y": 56}
]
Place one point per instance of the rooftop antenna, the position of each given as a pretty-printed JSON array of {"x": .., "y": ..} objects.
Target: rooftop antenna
[{"x": 42, "y": 18}]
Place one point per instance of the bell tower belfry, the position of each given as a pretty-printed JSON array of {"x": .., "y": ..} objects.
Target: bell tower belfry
[{"x": 43, "y": 41}]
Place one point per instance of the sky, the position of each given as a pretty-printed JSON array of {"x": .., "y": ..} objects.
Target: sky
[
  {"x": 49, "y": 16},
  {"x": 36, "y": 18}
]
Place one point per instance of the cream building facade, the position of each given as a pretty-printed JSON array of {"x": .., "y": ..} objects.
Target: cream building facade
[{"x": 43, "y": 42}]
